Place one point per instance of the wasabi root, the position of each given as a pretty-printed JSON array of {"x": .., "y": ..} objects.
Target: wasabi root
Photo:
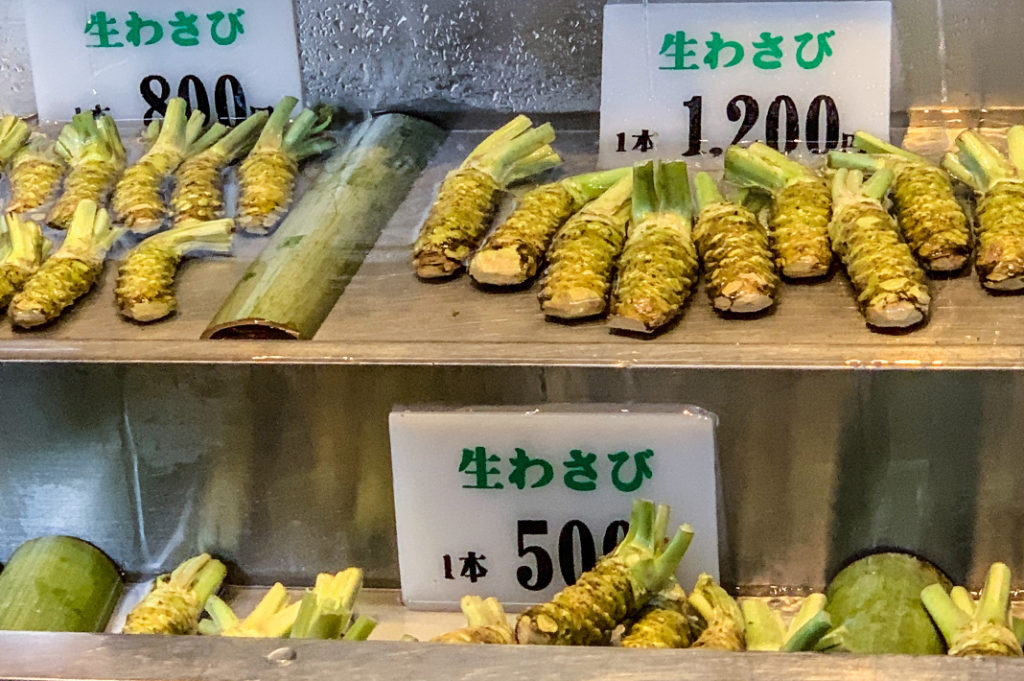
[
  {"x": 145, "y": 280},
  {"x": 92, "y": 149},
  {"x": 726, "y": 629},
  {"x": 668, "y": 621},
  {"x": 22, "y": 251},
  {"x": 582, "y": 255},
  {"x": 658, "y": 266},
  {"x": 485, "y": 623},
  {"x": 177, "y": 600},
  {"x": 514, "y": 252},
  {"x": 36, "y": 172},
  {"x": 973, "y": 628},
  {"x": 468, "y": 196},
  {"x": 733, "y": 248},
  {"x": 615, "y": 590}
]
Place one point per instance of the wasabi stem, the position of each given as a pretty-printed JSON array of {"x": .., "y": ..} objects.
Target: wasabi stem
[
  {"x": 801, "y": 207},
  {"x": 982, "y": 628},
  {"x": 890, "y": 285},
  {"x": 177, "y": 600},
  {"x": 13, "y": 133},
  {"x": 145, "y": 280},
  {"x": 485, "y": 623},
  {"x": 22, "y": 250},
  {"x": 468, "y": 196},
  {"x": 360, "y": 629},
  {"x": 138, "y": 200},
  {"x": 266, "y": 176},
  {"x": 999, "y": 183},
  {"x": 199, "y": 184},
  {"x": 514, "y": 252},
  {"x": 71, "y": 272},
  {"x": 36, "y": 171},
  {"x": 733, "y": 247},
  {"x": 658, "y": 266},
  {"x": 614, "y": 590},
  {"x": 929, "y": 216},
  {"x": 272, "y": 617},
  {"x": 726, "y": 629},
  {"x": 91, "y": 146},
  {"x": 326, "y": 609},
  {"x": 582, "y": 255},
  {"x": 765, "y": 629}
]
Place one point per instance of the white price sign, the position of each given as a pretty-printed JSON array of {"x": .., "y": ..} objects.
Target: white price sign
[
  {"x": 514, "y": 504},
  {"x": 682, "y": 80},
  {"x": 225, "y": 57}
]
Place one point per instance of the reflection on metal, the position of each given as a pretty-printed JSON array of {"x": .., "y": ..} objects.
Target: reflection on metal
[{"x": 116, "y": 658}]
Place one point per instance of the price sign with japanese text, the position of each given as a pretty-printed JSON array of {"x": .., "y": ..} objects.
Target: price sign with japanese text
[
  {"x": 514, "y": 504},
  {"x": 225, "y": 57},
  {"x": 689, "y": 79}
]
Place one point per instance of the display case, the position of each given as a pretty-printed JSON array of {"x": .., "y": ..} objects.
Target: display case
[{"x": 833, "y": 440}]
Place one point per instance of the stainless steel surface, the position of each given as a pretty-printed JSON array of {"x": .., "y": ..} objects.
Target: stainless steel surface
[
  {"x": 113, "y": 657},
  {"x": 533, "y": 55}
]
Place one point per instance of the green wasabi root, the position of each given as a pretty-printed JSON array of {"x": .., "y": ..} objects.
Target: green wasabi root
[
  {"x": 36, "y": 172},
  {"x": 93, "y": 151},
  {"x": 613, "y": 591},
  {"x": 468, "y": 197},
  {"x": 176, "y": 601},
  {"x": 668, "y": 621},
  {"x": 486, "y": 623},
  {"x": 22, "y": 251},
  {"x": 726, "y": 629}
]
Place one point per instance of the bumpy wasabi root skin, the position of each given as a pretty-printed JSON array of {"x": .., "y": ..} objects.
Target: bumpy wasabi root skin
[
  {"x": 272, "y": 617},
  {"x": 890, "y": 285},
  {"x": 726, "y": 629},
  {"x": 468, "y": 197},
  {"x": 266, "y": 176},
  {"x": 930, "y": 218},
  {"x": 70, "y": 273},
  {"x": 145, "y": 280},
  {"x": 199, "y": 180},
  {"x": 91, "y": 146},
  {"x": 801, "y": 208},
  {"x": 733, "y": 247},
  {"x": 138, "y": 200},
  {"x": 23, "y": 248},
  {"x": 666, "y": 622},
  {"x": 176, "y": 601},
  {"x": 513, "y": 253},
  {"x": 658, "y": 266},
  {"x": 36, "y": 172},
  {"x": 999, "y": 184},
  {"x": 613, "y": 591},
  {"x": 982, "y": 628},
  {"x": 486, "y": 623},
  {"x": 582, "y": 255}
]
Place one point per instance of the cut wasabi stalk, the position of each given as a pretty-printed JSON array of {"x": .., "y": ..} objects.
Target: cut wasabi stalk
[
  {"x": 468, "y": 197},
  {"x": 91, "y": 146},
  {"x": 22, "y": 250},
  {"x": 801, "y": 207},
  {"x": 766, "y": 631},
  {"x": 890, "y": 285},
  {"x": 733, "y": 247},
  {"x": 361, "y": 629},
  {"x": 999, "y": 184},
  {"x": 725, "y": 629},
  {"x": 658, "y": 266},
  {"x": 36, "y": 171},
  {"x": 13, "y": 133},
  {"x": 272, "y": 617},
  {"x": 514, "y": 252},
  {"x": 485, "y": 623},
  {"x": 666, "y": 622},
  {"x": 266, "y": 176},
  {"x": 138, "y": 200},
  {"x": 326, "y": 609},
  {"x": 145, "y": 280},
  {"x": 930, "y": 218},
  {"x": 982, "y": 628},
  {"x": 611, "y": 592},
  {"x": 875, "y": 606},
  {"x": 177, "y": 600},
  {"x": 199, "y": 180},
  {"x": 69, "y": 273},
  {"x": 58, "y": 584},
  {"x": 581, "y": 257}
]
